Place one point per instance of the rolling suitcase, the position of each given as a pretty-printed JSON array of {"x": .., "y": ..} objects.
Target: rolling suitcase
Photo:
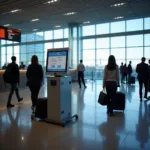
[
  {"x": 41, "y": 108},
  {"x": 131, "y": 80},
  {"x": 119, "y": 104}
]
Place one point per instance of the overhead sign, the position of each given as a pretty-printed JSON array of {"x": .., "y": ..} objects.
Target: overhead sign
[{"x": 10, "y": 34}]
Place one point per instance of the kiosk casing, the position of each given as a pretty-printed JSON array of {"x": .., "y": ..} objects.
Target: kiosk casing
[{"x": 59, "y": 98}]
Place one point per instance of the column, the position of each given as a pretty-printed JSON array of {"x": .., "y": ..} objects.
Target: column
[{"x": 74, "y": 44}]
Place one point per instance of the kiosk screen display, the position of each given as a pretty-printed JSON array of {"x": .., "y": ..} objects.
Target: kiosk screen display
[{"x": 57, "y": 61}]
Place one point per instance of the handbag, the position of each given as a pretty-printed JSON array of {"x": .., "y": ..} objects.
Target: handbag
[{"x": 103, "y": 98}]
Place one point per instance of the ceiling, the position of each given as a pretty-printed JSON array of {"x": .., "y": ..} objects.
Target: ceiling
[{"x": 50, "y": 15}]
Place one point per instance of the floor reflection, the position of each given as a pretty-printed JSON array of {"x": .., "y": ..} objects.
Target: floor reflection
[
  {"x": 94, "y": 129},
  {"x": 142, "y": 128},
  {"x": 110, "y": 130}
]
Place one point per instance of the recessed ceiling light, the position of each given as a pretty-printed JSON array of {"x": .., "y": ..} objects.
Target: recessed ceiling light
[
  {"x": 35, "y": 29},
  {"x": 6, "y": 25},
  {"x": 15, "y": 10},
  {"x": 119, "y": 17},
  {"x": 118, "y": 4},
  {"x": 86, "y": 22},
  {"x": 52, "y": 1},
  {"x": 33, "y": 20},
  {"x": 70, "y": 13},
  {"x": 58, "y": 26}
]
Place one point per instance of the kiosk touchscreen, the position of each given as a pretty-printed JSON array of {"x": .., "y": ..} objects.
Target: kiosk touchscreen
[{"x": 57, "y": 62}]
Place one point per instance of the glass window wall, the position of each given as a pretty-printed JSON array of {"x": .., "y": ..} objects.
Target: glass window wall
[
  {"x": 134, "y": 40},
  {"x": 102, "y": 43},
  {"x": 118, "y": 27},
  {"x": 118, "y": 41},
  {"x": 48, "y": 35},
  {"x": 58, "y": 34},
  {"x": 147, "y": 23},
  {"x": 102, "y": 28},
  {"x": 134, "y": 25},
  {"x": 88, "y": 30}
]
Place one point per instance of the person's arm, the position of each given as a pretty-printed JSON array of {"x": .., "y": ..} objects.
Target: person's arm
[
  {"x": 28, "y": 72},
  {"x": 41, "y": 73},
  {"x": 83, "y": 68},
  {"x": 78, "y": 68},
  {"x": 137, "y": 68},
  {"x": 18, "y": 74},
  {"x": 117, "y": 76},
  {"x": 105, "y": 77}
]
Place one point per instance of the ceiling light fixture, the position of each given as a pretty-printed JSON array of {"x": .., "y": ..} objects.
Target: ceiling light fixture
[
  {"x": 58, "y": 26},
  {"x": 33, "y": 20},
  {"x": 86, "y": 22},
  {"x": 120, "y": 17},
  {"x": 70, "y": 13},
  {"x": 15, "y": 10},
  {"x": 6, "y": 25},
  {"x": 52, "y": 1},
  {"x": 118, "y": 4},
  {"x": 35, "y": 29}
]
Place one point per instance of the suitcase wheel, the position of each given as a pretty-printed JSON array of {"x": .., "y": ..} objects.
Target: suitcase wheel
[
  {"x": 76, "y": 117},
  {"x": 63, "y": 125}
]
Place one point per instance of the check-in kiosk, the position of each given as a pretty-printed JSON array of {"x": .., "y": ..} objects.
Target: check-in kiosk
[{"x": 58, "y": 87}]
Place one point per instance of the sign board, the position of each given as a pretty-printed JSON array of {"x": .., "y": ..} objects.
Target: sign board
[{"x": 10, "y": 34}]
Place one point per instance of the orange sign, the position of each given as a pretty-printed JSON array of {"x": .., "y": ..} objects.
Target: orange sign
[{"x": 2, "y": 33}]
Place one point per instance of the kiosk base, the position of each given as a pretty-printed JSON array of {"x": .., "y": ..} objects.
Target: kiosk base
[{"x": 61, "y": 123}]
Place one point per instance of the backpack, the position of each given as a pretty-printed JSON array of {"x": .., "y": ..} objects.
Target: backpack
[{"x": 7, "y": 76}]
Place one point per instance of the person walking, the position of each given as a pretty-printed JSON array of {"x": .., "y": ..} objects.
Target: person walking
[
  {"x": 143, "y": 76},
  {"x": 14, "y": 81},
  {"x": 34, "y": 76},
  {"x": 110, "y": 82},
  {"x": 81, "y": 69},
  {"x": 121, "y": 72},
  {"x": 125, "y": 71},
  {"x": 129, "y": 70}
]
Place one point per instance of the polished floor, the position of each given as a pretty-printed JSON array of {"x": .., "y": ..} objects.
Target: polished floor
[{"x": 93, "y": 131}]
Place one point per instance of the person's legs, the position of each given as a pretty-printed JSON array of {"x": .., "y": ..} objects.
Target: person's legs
[
  {"x": 111, "y": 88},
  {"x": 79, "y": 81},
  {"x": 12, "y": 89},
  {"x": 129, "y": 76},
  {"x": 34, "y": 94},
  {"x": 17, "y": 93},
  {"x": 82, "y": 78},
  {"x": 140, "y": 88},
  {"x": 122, "y": 77},
  {"x": 126, "y": 78},
  {"x": 146, "y": 88}
]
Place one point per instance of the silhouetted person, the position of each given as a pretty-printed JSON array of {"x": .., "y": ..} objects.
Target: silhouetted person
[
  {"x": 125, "y": 72},
  {"x": 81, "y": 69},
  {"x": 129, "y": 69},
  {"x": 22, "y": 66},
  {"x": 4, "y": 67},
  {"x": 143, "y": 76},
  {"x": 110, "y": 82},
  {"x": 15, "y": 75},
  {"x": 121, "y": 72},
  {"x": 34, "y": 79}
]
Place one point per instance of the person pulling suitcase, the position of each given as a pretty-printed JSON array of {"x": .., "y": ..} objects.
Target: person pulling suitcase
[{"x": 110, "y": 82}]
